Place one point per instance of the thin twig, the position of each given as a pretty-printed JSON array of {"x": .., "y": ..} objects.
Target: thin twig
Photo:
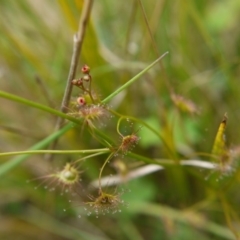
[
  {"x": 160, "y": 109},
  {"x": 130, "y": 25},
  {"x": 77, "y": 46},
  {"x": 154, "y": 45},
  {"x": 101, "y": 170}
]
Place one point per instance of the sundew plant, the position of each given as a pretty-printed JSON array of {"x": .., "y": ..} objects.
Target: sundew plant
[{"x": 119, "y": 120}]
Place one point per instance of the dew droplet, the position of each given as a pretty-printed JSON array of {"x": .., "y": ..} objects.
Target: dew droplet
[{"x": 89, "y": 213}]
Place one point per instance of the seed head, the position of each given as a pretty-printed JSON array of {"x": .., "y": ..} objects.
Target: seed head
[
  {"x": 128, "y": 143},
  {"x": 69, "y": 175},
  {"x": 91, "y": 113},
  {"x": 68, "y": 178},
  {"x": 106, "y": 203},
  {"x": 184, "y": 104}
]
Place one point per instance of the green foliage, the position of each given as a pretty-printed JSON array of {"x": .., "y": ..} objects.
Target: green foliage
[{"x": 140, "y": 145}]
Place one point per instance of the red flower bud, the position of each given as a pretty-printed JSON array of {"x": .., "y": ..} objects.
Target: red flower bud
[
  {"x": 85, "y": 69},
  {"x": 81, "y": 101}
]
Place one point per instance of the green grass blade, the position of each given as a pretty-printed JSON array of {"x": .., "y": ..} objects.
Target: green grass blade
[
  {"x": 194, "y": 219},
  {"x": 9, "y": 165},
  {"x": 103, "y": 150},
  {"x": 37, "y": 105},
  {"x": 127, "y": 84}
]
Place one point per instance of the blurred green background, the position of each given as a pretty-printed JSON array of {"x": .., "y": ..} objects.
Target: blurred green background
[{"x": 203, "y": 64}]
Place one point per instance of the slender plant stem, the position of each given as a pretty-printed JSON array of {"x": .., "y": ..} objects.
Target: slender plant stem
[
  {"x": 131, "y": 24},
  {"x": 131, "y": 81},
  {"x": 90, "y": 156},
  {"x": 7, "y": 166},
  {"x": 118, "y": 126},
  {"x": 154, "y": 44},
  {"x": 103, "y": 150},
  {"x": 90, "y": 90},
  {"x": 161, "y": 112},
  {"x": 101, "y": 170},
  {"x": 77, "y": 46},
  {"x": 38, "y": 106}
]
